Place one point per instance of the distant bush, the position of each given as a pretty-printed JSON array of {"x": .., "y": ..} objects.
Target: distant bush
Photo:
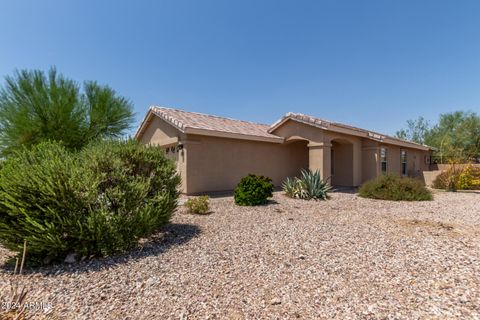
[
  {"x": 458, "y": 178},
  {"x": 253, "y": 190},
  {"x": 445, "y": 180},
  {"x": 308, "y": 186},
  {"x": 96, "y": 202},
  {"x": 394, "y": 187},
  {"x": 198, "y": 205},
  {"x": 469, "y": 178}
]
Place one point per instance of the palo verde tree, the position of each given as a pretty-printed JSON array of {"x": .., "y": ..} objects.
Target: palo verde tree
[{"x": 37, "y": 107}]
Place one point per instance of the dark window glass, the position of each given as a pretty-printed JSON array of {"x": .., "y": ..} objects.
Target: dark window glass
[
  {"x": 403, "y": 159},
  {"x": 383, "y": 159}
]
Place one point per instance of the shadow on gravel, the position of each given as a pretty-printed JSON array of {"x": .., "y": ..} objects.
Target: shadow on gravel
[
  {"x": 350, "y": 190},
  {"x": 174, "y": 234}
]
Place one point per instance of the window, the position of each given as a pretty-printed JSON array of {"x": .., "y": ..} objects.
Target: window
[
  {"x": 383, "y": 159},
  {"x": 171, "y": 152},
  {"x": 403, "y": 161}
]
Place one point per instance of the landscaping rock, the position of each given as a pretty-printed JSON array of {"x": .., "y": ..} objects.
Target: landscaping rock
[{"x": 364, "y": 259}]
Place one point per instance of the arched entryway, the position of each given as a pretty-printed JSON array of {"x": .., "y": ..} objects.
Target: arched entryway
[{"x": 341, "y": 163}]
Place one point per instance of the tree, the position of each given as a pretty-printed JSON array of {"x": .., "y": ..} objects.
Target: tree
[
  {"x": 416, "y": 131},
  {"x": 456, "y": 136},
  {"x": 35, "y": 107}
]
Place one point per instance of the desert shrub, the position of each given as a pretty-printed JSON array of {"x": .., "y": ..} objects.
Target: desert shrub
[
  {"x": 99, "y": 201},
  {"x": 253, "y": 190},
  {"x": 198, "y": 205},
  {"x": 458, "y": 178},
  {"x": 469, "y": 178},
  {"x": 394, "y": 187},
  {"x": 309, "y": 186},
  {"x": 445, "y": 180}
]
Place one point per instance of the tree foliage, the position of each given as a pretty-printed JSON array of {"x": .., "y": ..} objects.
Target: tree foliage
[
  {"x": 456, "y": 136},
  {"x": 416, "y": 131},
  {"x": 98, "y": 201},
  {"x": 37, "y": 107}
]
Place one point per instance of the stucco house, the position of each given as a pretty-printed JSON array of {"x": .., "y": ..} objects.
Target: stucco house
[{"x": 214, "y": 153}]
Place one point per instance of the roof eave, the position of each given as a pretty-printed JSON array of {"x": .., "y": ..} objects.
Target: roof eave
[
  {"x": 232, "y": 135},
  {"x": 141, "y": 128}
]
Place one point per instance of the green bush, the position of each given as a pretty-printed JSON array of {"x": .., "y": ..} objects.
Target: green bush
[
  {"x": 394, "y": 187},
  {"x": 309, "y": 186},
  {"x": 99, "y": 201},
  {"x": 253, "y": 190},
  {"x": 198, "y": 205}
]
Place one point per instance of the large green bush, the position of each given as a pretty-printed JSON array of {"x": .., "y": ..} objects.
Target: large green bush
[
  {"x": 394, "y": 187},
  {"x": 96, "y": 202},
  {"x": 253, "y": 190}
]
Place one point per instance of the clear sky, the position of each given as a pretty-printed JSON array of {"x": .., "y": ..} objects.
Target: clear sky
[{"x": 372, "y": 64}]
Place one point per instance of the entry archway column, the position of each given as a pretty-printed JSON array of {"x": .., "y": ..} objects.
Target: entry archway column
[{"x": 319, "y": 158}]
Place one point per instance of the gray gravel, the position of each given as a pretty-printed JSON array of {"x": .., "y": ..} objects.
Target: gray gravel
[{"x": 345, "y": 258}]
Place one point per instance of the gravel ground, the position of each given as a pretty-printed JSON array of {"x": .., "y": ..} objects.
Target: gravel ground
[{"x": 345, "y": 258}]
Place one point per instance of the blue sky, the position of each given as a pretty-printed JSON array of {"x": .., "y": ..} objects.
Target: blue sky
[{"x": 372, "y": 64}]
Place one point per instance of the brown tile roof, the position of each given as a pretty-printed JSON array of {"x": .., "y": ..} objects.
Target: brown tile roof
[
  {"x": 183, "y": 120},
  {"x": 204, "y": 124},
  {"x": 327, "y": 125}
]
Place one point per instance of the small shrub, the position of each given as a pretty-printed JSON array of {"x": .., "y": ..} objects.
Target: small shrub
[
  {"x": 443, "y": 181},
  {"x": 394, "y": 187},
  {"x": 99, "y": 201},
  {"x": 253, "y": 190},
  {"x": 309, "y": 186},
  {"x": 198, "y": 205},
  {"x": 291, "y": 187}
]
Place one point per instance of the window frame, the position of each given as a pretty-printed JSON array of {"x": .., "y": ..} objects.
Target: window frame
[
  {"x": 383, "y": 159},
  {"x": 403, "y": 162}
]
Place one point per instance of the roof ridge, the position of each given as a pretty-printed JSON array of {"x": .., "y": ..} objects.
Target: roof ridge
[
  {"x": 293, "y": 114},
  {"x": 209, "y": 115}
]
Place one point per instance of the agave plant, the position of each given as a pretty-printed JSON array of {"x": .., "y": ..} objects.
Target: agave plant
[
  {"x": 290, "y": 186},
  {"x": 309, "y": 186},
  {"x": 315, "y": 187}
]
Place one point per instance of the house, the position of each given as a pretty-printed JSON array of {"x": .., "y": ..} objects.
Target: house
[{"x": 214, "y": 153}]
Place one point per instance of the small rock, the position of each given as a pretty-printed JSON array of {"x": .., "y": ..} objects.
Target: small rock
[
  {"x": 275, "y": 301},
  {"x": 71, "y": 258}
]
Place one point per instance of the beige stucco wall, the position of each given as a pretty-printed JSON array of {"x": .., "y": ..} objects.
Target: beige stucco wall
[
  {"x": 349, "y": 154},
  {"x": 370, "y": 159},
  {"x": 372, "y": 165},
  {"x": 215, "y": 164},
  {"x": 342, "y": 164},
  {"x": 415, "y": 160},
  {"x": 160, "y": 133}
]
